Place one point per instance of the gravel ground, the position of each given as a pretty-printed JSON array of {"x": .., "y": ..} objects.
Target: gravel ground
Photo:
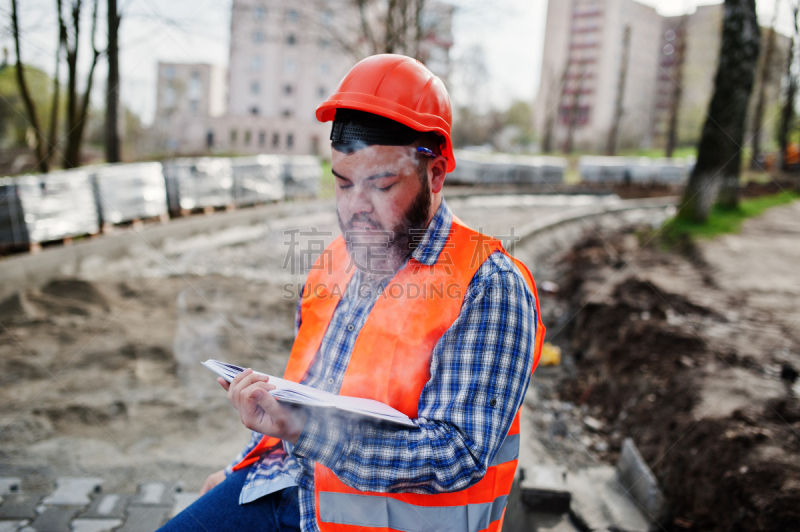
[{"x": 99, "y": 374}]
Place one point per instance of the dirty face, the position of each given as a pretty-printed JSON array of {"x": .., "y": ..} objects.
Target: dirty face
[{"x": 383, "y": 204}]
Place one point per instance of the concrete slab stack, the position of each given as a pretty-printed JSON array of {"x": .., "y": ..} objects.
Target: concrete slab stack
[
  {"x": 198, "y": 183},
  {"x": 302, "y": 175},
  {"x": 46, "y": 207},
  {"x": 474, "y": 168},
  {"x": 257, "y": 179},
  {"x": 127, "y": 192},
  {"x": 634, "y": 170}
]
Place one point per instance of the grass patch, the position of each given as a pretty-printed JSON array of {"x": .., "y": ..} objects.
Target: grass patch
[{"x": 723, "y": 221}]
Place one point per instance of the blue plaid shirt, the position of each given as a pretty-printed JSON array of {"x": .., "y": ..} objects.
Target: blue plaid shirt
[{"x": 480, "y": 369}]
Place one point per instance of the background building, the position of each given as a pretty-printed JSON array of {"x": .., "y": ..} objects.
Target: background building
[
  {"x": 285, "y": 59},
  {"x": 583, "y": 66}
]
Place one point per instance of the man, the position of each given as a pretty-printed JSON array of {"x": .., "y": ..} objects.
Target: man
[{"x": 409, "y": 307}]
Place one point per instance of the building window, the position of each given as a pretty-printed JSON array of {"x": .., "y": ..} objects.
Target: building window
[
  {"x": 326, "y": 17},
  {"x": 288, "y": 89},
  {"x": 289, "y": 66},
  {"x": 258, "y": 36},
  {"x": 291, "y": 40},
  {"x": 255, "y": 87},
  {"x": 287, "y": 113},
  {"x": 324, "y": 68},
  {"x": 169, "y": 97},
  {"x": 169, "y": 72},
  {"x": 247, "y": 137},
  {"x": 324, "y": 44},
  {"x": 255, "y": 63},
  {"x": 321, "y": 92},
  {"x": 233, "y": 136},
  {"x": 262, "y": 138},
  {"x": 276, "y": 140},
  {"x": 254, "y": 111},
  {"x": 292, "y": 15},
  {"x": 193, "y": 105},
  {"x": 259, "y": 12},
  {"x": 289, "y": 140},
  {"x": 210, "y": 139}
]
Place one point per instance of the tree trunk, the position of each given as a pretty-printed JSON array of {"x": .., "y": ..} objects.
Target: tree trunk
[
  {"x": 677, "y": 90},
  {"x": 30, "y": 106},
  {"x": 112, "y": 87},
  {"x": 787, "y": 113},
  {"x": 611, "y": 147},
  {"x": 719, "y": 155},
  {"x": 764, "y": 76},
  {"x": 77, "y": 106}
]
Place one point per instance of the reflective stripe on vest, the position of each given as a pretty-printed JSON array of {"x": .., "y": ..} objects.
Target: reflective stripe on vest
[
  {"x": 384, "y": 512},
  {"x": 403, "y": 331}
]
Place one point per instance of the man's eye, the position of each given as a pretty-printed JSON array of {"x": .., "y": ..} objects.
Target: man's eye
[
  {"x": 384, "y": 189},
  {"x": 345, "y": 185}
]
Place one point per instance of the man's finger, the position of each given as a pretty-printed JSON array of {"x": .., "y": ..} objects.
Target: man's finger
[{"x": 225, "y": 384}]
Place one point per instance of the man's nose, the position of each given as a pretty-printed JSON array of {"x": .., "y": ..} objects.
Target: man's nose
[{"x": 360, "y": 201}]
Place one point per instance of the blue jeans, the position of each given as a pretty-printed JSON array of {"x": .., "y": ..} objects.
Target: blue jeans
[{"x": 219, "y": 510}]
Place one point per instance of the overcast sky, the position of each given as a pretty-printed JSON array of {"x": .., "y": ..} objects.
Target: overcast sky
[{"x": 510, "y": 31}]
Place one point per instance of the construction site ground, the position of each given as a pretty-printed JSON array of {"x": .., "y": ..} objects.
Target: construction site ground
[
  {"x": 693, "y": 352},
  {"x": 690, "y": 353}
]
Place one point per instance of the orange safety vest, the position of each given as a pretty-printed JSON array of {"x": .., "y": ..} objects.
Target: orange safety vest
[{"x": 390, "y": 363}]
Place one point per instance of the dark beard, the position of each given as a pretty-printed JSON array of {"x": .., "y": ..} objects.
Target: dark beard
[{"x": 389, "y": 247}]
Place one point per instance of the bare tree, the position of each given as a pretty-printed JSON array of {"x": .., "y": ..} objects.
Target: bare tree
[
  {"x": 112, "y": 142},
  {"x": 764, "y": 76},
  {"x": 611, "y": 147},
  {"x": 719, "y": 155},
  {"x": 384, "y": 26},
  {"x": 787, "y": 114},
  {"x": 77, "y": 105},
  {"x": 677, "y": 89},
  {"x": 30, "y": 107}
]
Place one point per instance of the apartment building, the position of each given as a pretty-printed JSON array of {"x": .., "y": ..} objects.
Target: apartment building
[
  {"x": 285, "y": 59},
  {"x": 583, "y": 65}
]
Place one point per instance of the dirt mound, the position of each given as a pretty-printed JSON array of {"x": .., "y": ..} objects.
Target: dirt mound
[
  {"x": 76, "y": 290},
  {"x": 644, "y": 359}
]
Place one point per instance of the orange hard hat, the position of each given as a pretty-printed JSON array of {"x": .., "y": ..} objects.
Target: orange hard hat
[{"x": 399, "y": 88}]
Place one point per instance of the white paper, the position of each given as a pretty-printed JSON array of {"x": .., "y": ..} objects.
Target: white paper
[{"x": 292, "y": 392}]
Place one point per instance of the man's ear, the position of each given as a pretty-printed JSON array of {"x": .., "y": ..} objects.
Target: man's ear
[{"x": 437, "y": 169}]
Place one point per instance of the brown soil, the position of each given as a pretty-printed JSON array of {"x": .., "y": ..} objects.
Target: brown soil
[{"x": 694, "y": 355}]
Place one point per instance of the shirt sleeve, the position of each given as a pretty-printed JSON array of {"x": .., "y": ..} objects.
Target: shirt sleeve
[{"x": 480, "y": 370}]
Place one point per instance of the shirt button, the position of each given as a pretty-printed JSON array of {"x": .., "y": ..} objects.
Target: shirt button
[
  {"x": 330, "y": 380},
  {"x": 493, "y": 402},
  {"x": 351, "y": 327}
]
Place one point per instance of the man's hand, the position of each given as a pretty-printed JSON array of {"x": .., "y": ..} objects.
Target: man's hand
[
  {"x": 212, "y": 481},
  {"x": 259, "y": 411}
]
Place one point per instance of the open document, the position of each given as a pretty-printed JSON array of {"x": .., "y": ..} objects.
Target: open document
[{"x": 299, "y": 394}]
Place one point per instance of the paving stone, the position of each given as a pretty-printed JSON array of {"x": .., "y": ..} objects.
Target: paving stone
[
  {"x": 544, "y": 489},
  {"x": 9, "y": 485},
  {"x": 109, "y": 506},
  {"x": 55, "y": 519},
  {"x": 20, "y": 505},
  {"x": 12, "y": 526},
  {"x": 145, "y": 518},
  {"x": 95, "y": 525},
  {"x": 73, "y": 491},
  {"x": 639, "y": 481},
  {"x": 599, "y": 501},
  {"x": 182, "y": 501},
  {"x": 153, "y": 494}
]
